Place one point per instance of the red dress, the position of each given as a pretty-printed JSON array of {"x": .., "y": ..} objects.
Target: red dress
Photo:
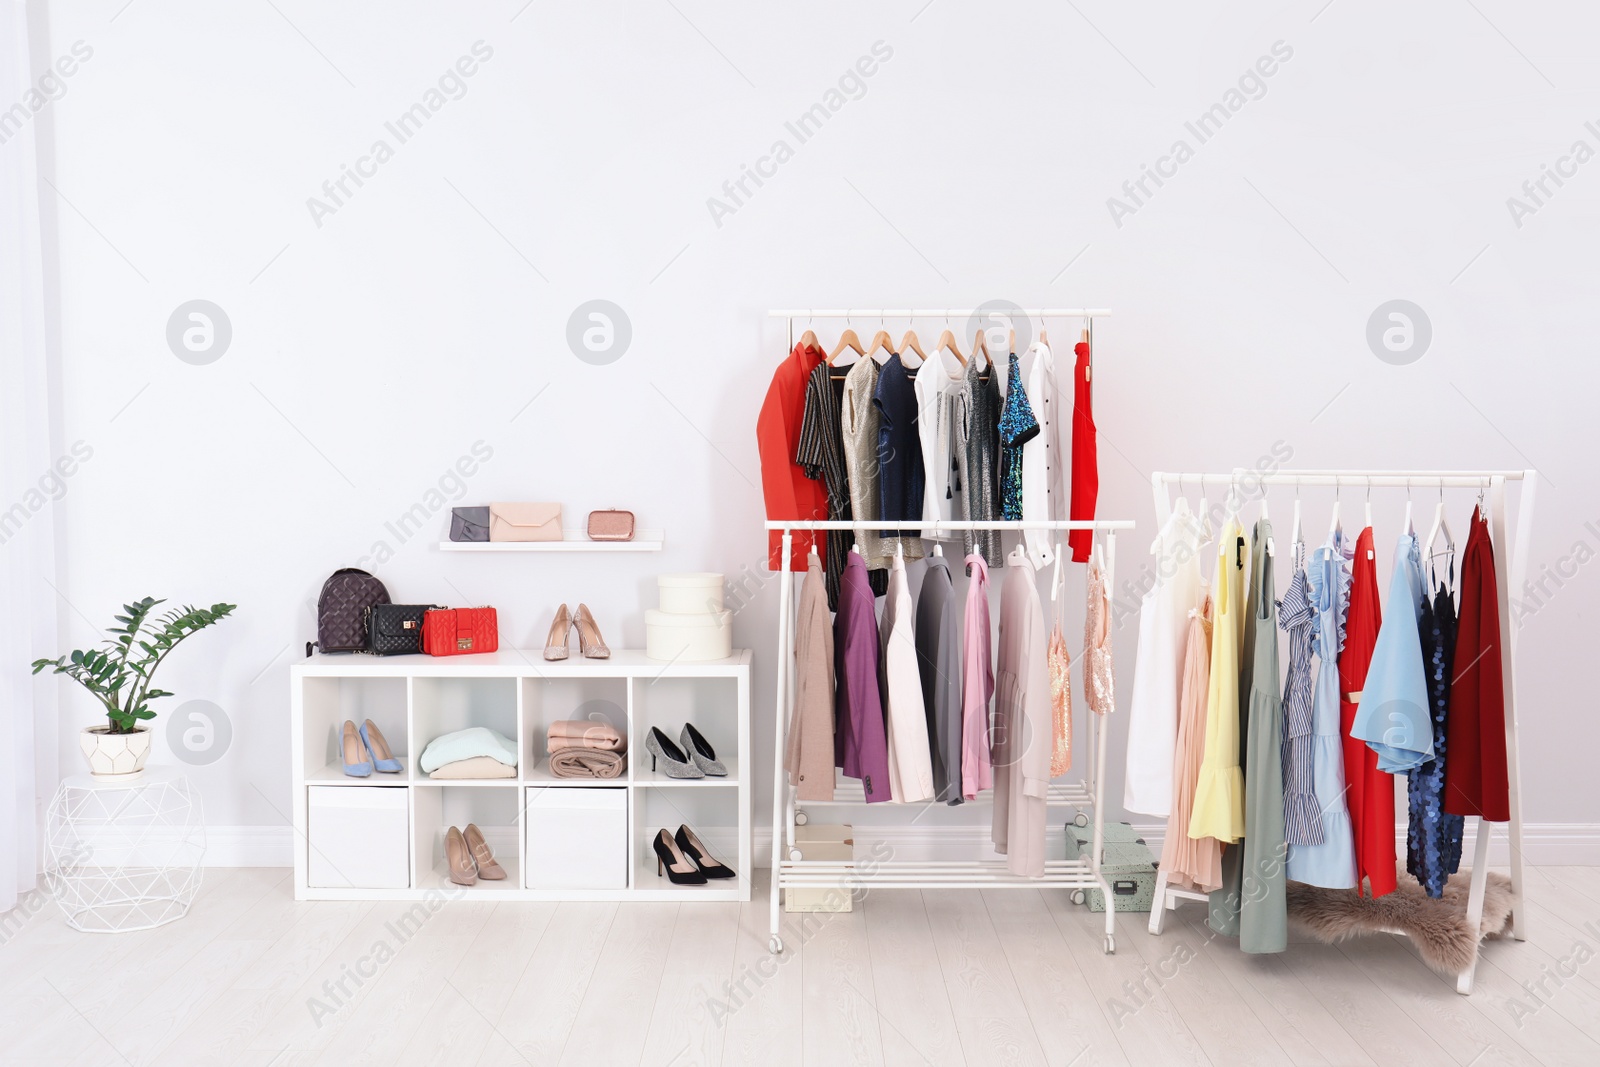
[
  {"x": 1370, "y": 792},
  {"x": 789, "y": 493},
  {"x": 1085, "y": 460},
  {"x": 1475, "y": 780}
]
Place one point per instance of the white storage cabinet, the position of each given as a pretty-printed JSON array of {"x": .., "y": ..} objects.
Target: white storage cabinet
[{"x": 382, "y": 837}]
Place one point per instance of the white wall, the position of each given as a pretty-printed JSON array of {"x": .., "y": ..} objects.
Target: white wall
[{"x": 429, "y": 311}]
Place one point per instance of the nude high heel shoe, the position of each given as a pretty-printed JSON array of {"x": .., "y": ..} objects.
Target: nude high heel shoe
[
  {"x": 462, "y": 870},
  {"x": 481, "y": 856},
  {"x": 555, "y": 646},
  {"x": 589, "y": 641}
]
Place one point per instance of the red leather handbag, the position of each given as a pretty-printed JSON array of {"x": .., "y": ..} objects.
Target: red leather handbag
[{"x": 459, "y": 631}]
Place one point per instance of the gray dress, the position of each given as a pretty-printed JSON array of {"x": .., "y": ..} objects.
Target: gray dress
[
  {"x": 939, "y": 661},
  {"x": 978, "y": 441},
  {"x": 1256, "y": 904}
]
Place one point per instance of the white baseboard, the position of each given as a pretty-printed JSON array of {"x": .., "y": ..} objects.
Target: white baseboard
[{"x": 1545, "y": 844}]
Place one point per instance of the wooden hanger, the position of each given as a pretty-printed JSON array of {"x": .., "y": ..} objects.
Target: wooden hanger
[
  {"x": 880, "y": 340},
  {"x": 947, "y": 341},
  {"x": 1011, "y": 340},
  {"x": 910, "y": 341},
  {"x": 849, "y": 340}
]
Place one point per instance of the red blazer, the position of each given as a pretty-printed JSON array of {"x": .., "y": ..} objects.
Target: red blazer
[{"x": 789, "y": 493}]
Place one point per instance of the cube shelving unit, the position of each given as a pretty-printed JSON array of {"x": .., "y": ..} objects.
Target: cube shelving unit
[{"x": 387, "y": 841}]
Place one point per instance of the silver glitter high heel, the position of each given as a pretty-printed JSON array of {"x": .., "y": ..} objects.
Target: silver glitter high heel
[
  {"x": 701, "y": 752},
  {"x": 675, "y": 763}
]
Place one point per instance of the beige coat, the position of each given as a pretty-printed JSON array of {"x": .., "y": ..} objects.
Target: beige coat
[
  {"x": 1022, "y": 722},
  {"x": 809, "y": 754}
]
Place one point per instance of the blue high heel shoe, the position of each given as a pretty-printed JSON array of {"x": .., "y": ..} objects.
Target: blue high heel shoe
[
  {"x": 378, "y": 748},
  {"x": 351, "y": 742}
]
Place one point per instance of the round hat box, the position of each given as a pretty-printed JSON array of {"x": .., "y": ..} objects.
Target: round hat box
[
  {"x": 697, "y": 593},
  {"x": 685, "y": 638}
]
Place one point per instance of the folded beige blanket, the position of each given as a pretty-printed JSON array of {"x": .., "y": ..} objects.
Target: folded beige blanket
[
  {"x": 587, "y": 763},
  {"x": 582, "y": 733},
  {"x": 474, "y": 767}
]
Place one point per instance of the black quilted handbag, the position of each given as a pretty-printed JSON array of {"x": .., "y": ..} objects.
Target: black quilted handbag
[
  {"x": 342, "y": 610},
  {"x": 395, "y": 629}
]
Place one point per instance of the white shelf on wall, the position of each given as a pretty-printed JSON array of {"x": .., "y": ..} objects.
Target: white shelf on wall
[
  {"x": 414, "y": 698},
  {"x": 571, "y": 541}
]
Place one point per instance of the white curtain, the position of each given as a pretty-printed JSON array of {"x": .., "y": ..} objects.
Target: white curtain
[{"x": 28, "y": 413}]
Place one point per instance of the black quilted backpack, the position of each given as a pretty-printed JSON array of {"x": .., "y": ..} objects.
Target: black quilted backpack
[{"x": 342, "y": 610}]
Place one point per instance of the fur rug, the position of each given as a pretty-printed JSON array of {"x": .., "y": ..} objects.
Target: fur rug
[{"x": 1437, "y": 927}]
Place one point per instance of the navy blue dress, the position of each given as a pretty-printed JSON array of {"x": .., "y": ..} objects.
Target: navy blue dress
[
  {"x": 900, "y": 474},
  {"x": 1433, "y": 838},
  {"x": 1018, "y": 426}
]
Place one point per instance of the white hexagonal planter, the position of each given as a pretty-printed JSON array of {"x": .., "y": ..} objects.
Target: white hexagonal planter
[{"x": 118, "y": 757}]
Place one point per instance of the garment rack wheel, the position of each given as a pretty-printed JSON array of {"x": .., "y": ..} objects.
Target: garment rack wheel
[
  {"x": 1080, "y": 819},
  {"x": 1111, "y": 945},
  {"x": 800, "y": 817},
  {"x": 1078, "y": 896},
  {"x": 775, "y": 944}
]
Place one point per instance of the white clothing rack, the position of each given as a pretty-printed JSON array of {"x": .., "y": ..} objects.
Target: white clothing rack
[
  {"x": 790, "y": 869},
  {"x": 1492, "y": 482}
]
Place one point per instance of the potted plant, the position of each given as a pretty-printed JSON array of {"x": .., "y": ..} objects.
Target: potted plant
[{"x": 119, "y": 678}]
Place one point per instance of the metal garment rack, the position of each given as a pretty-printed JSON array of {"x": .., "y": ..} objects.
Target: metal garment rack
[
  {"x": 1506, "y": 579},
  {"x": 790, "y": 869}
]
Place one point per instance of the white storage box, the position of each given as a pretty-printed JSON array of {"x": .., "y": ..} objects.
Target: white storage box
[
  {"x": 359, "y": 837},
  {"x": 688, "y": 638},
  {"x": 822, "y": 841},
  {"x": 577, "y": 838},
  {"x": 690, "y": 594}
]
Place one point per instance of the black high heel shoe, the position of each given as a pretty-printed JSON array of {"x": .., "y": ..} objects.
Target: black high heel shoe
[
  {"x": 677, "y": 763},
  {"x": 695, "y": 849},
  {"x": 701, "y": 752},
  {"x": 679, "y": 869}
]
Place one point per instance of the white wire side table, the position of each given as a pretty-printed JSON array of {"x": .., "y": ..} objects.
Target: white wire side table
[{"x": 124, "y": 856}]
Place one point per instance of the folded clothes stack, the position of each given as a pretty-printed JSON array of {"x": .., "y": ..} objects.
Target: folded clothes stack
[
  {"x": 476, "y": 752},
  {"x": 582, "y": 749}
]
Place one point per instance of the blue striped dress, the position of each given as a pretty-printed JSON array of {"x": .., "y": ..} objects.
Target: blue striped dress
[
  {"x": 1301, "y": 822},
  {"x": 1331, "y": 863}
]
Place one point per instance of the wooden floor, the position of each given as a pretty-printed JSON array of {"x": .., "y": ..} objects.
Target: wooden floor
[{"x": 951, "y": 977}]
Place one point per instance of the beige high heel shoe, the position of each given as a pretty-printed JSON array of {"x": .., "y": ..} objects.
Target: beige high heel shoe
[
  {"x": 590, "y": 642},
  {"x": 462, "y": 870},
  {"x": 555, "y": 646},
  {"x": 487, "y": 867}
]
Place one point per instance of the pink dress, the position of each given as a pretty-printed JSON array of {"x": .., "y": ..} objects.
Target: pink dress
[
  {"x": 1190, "y": 863},
  {"x": 977, "y": 683}
]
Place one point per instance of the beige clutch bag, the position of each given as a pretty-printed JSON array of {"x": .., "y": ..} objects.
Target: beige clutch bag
[
  {"x": 611, "y": 525},
  {"x": 525, "y": 522}
]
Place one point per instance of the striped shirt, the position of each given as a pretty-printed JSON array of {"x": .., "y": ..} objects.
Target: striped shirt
[{"x": 821, "y": 452}]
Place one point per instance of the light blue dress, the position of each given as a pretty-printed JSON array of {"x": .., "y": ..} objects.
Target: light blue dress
[
  {"x": 1394, "y": 718},
  {"x": 1331, "y": 863}
]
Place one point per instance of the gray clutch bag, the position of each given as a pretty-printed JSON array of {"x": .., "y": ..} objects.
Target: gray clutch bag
[{"x": 469, "y": 524}]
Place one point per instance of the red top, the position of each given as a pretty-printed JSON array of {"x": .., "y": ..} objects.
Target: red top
[
  {"x": 1475, "y": 780},
  {"x": 789, "y": 493},
  {"x": 1085, "y": 458},
  {"x": 1369, "y": 792}
]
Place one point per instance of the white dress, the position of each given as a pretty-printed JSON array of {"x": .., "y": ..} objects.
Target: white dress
[
  {"x": 938, "y": 381},
  {"x": 1158, "y": 672},
  {"x": 906, "y": 722},
  {"x": 1041, "y": 457}
]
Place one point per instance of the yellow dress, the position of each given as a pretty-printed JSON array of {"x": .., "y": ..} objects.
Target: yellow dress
[{"x": 1219, "y": 792}]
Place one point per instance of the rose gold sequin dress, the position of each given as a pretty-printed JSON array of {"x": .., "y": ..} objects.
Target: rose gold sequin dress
[
  {"x": 1060, "y": 703},
  {"x": 1097, "y": 681}
]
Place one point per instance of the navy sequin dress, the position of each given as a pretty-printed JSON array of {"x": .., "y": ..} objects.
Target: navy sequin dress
[
  {"x": 1433, "y": 838},
  {"x": 1017, "y": 427}
]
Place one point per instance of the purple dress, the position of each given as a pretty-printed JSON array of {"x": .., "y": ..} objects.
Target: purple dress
[{"x": 860, "y": 747}]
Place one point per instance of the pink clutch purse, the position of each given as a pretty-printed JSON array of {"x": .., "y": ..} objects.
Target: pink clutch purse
[{"x": 611, "y": 525}]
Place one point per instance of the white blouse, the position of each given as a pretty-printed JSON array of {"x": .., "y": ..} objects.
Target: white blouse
[
  {"x": 1041, "y": 457},
  {"x": 937, "y": 384},
  {"x": 906, "y": 722},
  {"x": 1158, "y": 672}
]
